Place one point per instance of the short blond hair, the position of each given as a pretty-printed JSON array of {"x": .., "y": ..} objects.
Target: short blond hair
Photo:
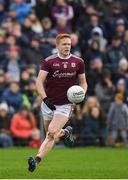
[{"x": 62, "y": 36}]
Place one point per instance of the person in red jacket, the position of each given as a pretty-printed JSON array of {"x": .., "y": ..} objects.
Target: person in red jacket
[{"x": 22, "y": 125}]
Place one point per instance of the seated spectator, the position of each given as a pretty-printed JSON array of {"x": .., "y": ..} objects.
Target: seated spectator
[
  {"x": 120, "y": 28},
  {"x": 22, "y": 125},
  {"x": 36, "y": 141},
  {"x": 62, "y": 8},
  {"x": 13, "y": 64},
  {"x": 118, "y": 119},
  {"x": 21, "y": 8},
  {"x": 97, "y": 34},
  {"x": 36, "y": 25},
  {"x": 30, "y": 92},
  {"x": 61, "y": 25},
  {"x": 92, "y": 52},
  {"x": 33, "y": 54},
  {"x": 92, "y": 101},
  {"x": 121, "y": 71},
  {"x": 94, "y": 74},
  {"x": 104, "y": 90},
  {"x": 13, "y": 97},
  {"x": 5, "y": 137},
  {"x": 48, "y": 37},
  {"x": 75, "y": 49},
  {"x": 114, "y": 54},
  {"x": 3, "y": 13},
  {"x": 94, "y": 129},
  {"x": 2, "y": 83}
]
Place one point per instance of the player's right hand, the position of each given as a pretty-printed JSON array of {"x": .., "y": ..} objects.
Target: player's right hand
[{"x": 49, "y": 104}]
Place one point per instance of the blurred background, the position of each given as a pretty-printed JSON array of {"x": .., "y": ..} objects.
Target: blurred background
[{"x": 99, "y": 33}]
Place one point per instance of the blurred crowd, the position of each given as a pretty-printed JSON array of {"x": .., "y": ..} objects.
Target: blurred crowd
[{"x": 99, "y": 33}]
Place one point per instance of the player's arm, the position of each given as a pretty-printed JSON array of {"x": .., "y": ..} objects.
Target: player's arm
[
  {"x": 40, "y": 88},
  {"x": 39, "y": 83},
  {"x": 82, "y": 81}
]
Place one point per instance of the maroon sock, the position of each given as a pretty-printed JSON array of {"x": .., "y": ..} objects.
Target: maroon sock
[{"x": 38, "y": 159}]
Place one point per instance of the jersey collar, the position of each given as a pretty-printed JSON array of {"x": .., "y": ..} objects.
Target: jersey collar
[{"x": 64, "y": 58}]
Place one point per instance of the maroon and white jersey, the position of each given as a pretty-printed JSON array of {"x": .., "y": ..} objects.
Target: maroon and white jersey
[{"x": 62, "y": 74}]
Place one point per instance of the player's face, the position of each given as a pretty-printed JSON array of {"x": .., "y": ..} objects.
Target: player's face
[{"x": 64, "y": 47}]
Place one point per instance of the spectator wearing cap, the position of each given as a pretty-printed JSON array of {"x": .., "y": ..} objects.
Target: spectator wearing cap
[
  {"x": 118, "y": 119},
  {"x": 13, "y": 97},
  {"x": 21, "y": 9},
  {"x": 120, "y": 28},
  {"x": 113, "y": 54},
  {"x": 22, "y": 125},
  {"x": 97, "y": 34},
  {"x": 5, "y": 137},
  {"x": 122, "y": 69}
]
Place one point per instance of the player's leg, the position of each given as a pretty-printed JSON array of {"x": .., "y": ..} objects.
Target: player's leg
[
  {"x": 46, "y": 123},
  {"x": 54, "y": 131}
]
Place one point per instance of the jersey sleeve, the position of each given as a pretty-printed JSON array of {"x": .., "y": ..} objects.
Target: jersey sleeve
[
  {"x": 45, "y": 65},
  {"x": 81, "y": 67}
]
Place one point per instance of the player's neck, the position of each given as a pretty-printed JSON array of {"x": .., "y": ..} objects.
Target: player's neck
[{"x": 61, "y": 56}]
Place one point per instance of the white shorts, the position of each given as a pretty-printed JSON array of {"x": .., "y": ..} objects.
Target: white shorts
[{"x": 65, "y": 110}]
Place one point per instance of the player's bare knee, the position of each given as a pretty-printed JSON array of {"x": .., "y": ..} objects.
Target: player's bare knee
[{"x": 52, "y": 133}]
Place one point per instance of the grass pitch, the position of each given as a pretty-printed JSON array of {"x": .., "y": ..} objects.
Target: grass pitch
[{"x": 64, "y": 163}]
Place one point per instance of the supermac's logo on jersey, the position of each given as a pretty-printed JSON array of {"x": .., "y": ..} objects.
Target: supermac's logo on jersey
[
  {"x": 73, "y": 65},
  {"x": 56, "y": 65}
]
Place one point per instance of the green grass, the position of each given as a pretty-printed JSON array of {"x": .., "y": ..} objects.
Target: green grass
[{"x": 67, "y": 163}]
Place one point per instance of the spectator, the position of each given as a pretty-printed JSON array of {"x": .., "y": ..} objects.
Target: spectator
[
  {"x": 5, "y": 137},
  {"x": 48, "y": 37},
  {"x": 3, "y": 13},
  {"x": 114, "y": 54},
  {"x": 104, "y": 90},
  {"x": 94, "y": 127},
  {"x": 75, "y": 49},
  {"x": 118, "y": 119},
  {"x": 62, "y": 8},
  {"x": 97, "y": 34},
  {"x": 22, "y": 10},
  {"x": 13, "y": 97},
  {"x": 22, "y": 125},
  {"x": 43, "y": 8},
  {"x": 13, "y": 64},
  {"x": 36, "y": 141}
]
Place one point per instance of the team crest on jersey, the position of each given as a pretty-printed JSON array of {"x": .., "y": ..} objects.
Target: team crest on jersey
[
  {"x": 73, "y": 65},
  {"x": 65, "y": 64}
]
